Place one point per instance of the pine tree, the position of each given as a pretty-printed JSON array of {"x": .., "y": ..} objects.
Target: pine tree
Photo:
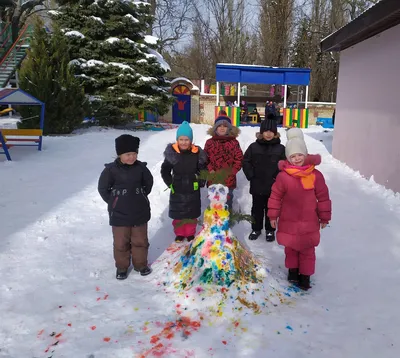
[
  {"x": 113, "y": 57},
  {"x": 302, "y": 45},
  {"x": 47, "y": 75}
]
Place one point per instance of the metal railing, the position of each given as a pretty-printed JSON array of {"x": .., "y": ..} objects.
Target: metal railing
[
  {"x": 5, "y": 38},
  {"x": 23, "y": 39}
]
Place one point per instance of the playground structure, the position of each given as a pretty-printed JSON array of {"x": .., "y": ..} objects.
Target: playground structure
[
  {"x": 20, "y": 137},
  {"x": 12, "y": 53},
  {"x": 235, "y": 73}
]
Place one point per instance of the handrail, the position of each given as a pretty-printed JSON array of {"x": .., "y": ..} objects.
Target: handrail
[
  {"x": 7, "y": 41},
  {"x": 14, "y": 44},
  {"x": 5, "y": 28},
  {"x": 22, "y": 42}
]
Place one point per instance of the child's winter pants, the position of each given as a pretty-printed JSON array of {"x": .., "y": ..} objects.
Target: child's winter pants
[
  {"x": 229, "y": 200},
  {"x": 304, "y": 260},
  {"x": 130, "y": 241},
  {"x": 259, "y": 212},
  {"x": 183, "y": 228}
]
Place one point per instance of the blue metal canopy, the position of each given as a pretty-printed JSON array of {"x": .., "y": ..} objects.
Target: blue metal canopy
[{"x": 235, "y": 73}]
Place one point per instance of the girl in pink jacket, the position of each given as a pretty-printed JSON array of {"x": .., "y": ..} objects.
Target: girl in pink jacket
[{"x": 300, "y": 200}]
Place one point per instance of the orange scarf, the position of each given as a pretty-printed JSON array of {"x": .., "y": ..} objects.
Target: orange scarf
[
  {"x": 305, "y": 174},
  {"x": 193, "y": 148}
]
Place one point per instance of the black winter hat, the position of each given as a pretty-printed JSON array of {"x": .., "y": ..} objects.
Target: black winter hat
[
  {"x": 269, "y": 124},
  {"x": 126, "y": 143}
]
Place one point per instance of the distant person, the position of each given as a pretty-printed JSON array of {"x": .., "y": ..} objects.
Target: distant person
[
  {"x": 243, "y": 111},
  {"x": 255, "y": 111},
  {"x": 124, "y": 185},
  {"x": 270, "y": 108}
]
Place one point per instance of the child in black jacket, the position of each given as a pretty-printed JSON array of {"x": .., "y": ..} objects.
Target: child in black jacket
[
  {"x": 260, "y": 165},
  {"x": 124, "y": 185}
]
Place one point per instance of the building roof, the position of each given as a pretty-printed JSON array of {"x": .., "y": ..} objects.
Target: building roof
[
  {"x": 246, "y": 74},
  {"x": 17, "y": 96},
  {"x": 378, "y": 18}
]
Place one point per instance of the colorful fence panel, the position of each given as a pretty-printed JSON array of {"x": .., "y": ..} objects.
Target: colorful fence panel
[
  {"x": 295, "y": 118},
  {"x": 232, "y": 112},
  {"x": 146, "y": 116}
]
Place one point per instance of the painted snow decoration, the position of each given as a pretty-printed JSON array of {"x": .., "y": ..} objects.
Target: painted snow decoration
[
  {"x": 151, "y": 40},
  {"x": 216, "y": 271},
  {"x": 216, "y": 256},
  {"x": 75, "y": 34}
]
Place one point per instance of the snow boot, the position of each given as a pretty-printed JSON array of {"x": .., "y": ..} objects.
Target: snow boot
[
  {"x": 144, "y": 271},
  {"x": 270, "y": 236},
  {"x": 293, "y": 275},
  {"x": 121, "y": 274},
  {"x": 179, "y": 238},
  {"x": 190, "y": 238},
  {"x": 304, "y": 282},
  {"x": 254, "y": 235}
]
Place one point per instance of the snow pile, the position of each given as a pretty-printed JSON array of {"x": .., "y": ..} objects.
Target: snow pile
[{"x": 151, "y": 40}]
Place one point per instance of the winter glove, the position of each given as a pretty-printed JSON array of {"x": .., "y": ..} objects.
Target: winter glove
[{"x": 172, "y": 189}]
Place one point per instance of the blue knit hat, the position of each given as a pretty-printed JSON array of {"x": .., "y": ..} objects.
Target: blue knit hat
[{"x": 184, "y": 130}]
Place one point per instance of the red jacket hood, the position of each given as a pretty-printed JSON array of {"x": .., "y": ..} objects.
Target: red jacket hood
[{"x": 311, "y": 159}]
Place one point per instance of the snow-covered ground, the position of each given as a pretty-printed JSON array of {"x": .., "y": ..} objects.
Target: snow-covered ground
[{"x": 59, "y": 296}]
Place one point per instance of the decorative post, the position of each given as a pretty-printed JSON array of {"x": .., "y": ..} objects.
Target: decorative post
[
  {"x": 284, "y": 97},
  {"x": 306, "y": 100},
  {"x": 217, "y": 92},
  {"x": 238, "y": 94}
]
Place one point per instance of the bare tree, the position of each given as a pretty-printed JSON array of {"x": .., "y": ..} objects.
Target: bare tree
[
  {"x": 172, "y": 21},
  {"x": 220, "y": 33},
  {"x": 17, "y": 12},
  {"x": 353, "y": 8},
  {"x": 276, "y": 29},
  {"x": 226, "y": 25}
]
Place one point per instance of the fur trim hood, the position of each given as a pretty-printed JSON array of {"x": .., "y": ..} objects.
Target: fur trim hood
[
  {"x": 172, "y": 155},
  {"x": 311, "y": 159},
  {"x": 234, "y": 132}
]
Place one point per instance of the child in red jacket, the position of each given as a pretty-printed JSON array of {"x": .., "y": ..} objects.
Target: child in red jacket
[
  {"x": 300, "y": 200},
  {"x": 224, "y": 151}
]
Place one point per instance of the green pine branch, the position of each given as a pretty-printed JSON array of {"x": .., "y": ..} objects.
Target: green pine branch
[{"x": 217, "y": 177}]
